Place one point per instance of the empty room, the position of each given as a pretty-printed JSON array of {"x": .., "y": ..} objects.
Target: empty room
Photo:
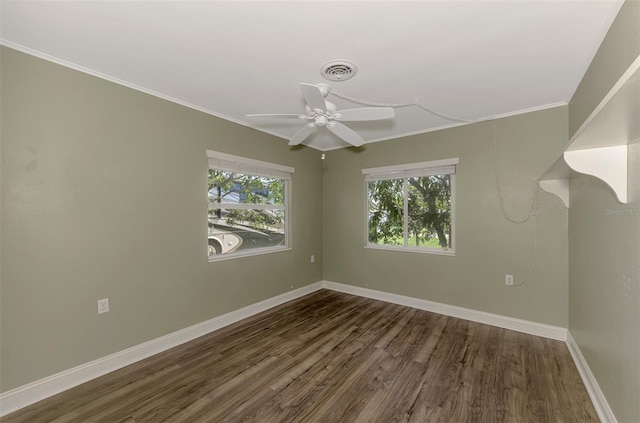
[{"x": 320, "y": 211}]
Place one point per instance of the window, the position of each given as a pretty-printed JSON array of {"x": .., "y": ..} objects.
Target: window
[
  {"x": 248, "y": 206},
  {"x": 411, "y": 207}
]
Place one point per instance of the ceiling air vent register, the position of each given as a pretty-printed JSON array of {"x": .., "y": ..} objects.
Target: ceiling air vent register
[{"x": 338, "y": 70}]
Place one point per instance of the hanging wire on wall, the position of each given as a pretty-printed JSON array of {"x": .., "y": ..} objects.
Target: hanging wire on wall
[
  {"x": 499, "y": 185},
  {"x": 532, "y": 211},
  {"x": 533, "y": 207}
]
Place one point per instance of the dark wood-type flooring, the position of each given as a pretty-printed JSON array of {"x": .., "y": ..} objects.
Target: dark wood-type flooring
[{"x": 332, "y": 357}]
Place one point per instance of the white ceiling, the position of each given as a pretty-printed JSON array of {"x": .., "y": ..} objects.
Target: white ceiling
[{"x": 470, "y": 59}]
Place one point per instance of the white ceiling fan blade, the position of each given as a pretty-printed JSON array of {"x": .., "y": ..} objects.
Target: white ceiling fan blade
[
  {"x": 345, "y": 133},
  {"x": 313, "y": 97},
  {"x": 273, "y": 115},
  {"x": 366, "y": 113},
  {"x": 302, "y": 134}
]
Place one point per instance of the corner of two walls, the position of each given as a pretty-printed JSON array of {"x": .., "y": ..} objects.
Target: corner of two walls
[
  {"x": 104, "y": 195},
  {"x": 604, "y": 239},
  {"x": 488, "y": 246},
  {"x": 604, "y": 285}
]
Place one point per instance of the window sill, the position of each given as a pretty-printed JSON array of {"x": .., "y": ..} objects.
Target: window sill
[
  {"x": 249, "y": 253},
  {"x": 412, "y": 249}
]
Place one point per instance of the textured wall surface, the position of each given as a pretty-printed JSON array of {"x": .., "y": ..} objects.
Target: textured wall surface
[
  {"x": 604, "y": 288},
  {"x": 488, "y": 246},
  {"x": 604, "y": 239},
  {"x": 104, "y": 194}
]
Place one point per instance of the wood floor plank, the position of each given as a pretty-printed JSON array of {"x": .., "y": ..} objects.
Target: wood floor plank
[{"x": 333, "y": 357}]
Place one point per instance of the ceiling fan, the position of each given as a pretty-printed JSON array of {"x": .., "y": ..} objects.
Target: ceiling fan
[{"x": 320, "y": 112}]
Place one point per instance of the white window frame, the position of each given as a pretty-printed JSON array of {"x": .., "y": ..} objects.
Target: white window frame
[
  {"x": 434, "y": 167},
  {"x": 244, "y": 165}
]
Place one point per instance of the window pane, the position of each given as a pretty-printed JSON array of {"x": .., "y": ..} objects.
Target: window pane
[
  {"x": 230, "y": 187},
  {"x": 386, "y": 212},
  {"x": 233, "y": 230},
  {"x": 429, "y": 220}
]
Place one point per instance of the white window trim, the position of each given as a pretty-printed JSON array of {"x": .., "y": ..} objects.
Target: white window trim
[
  {"x": 434, "y": 167},
  {"x": 249, "y": 253},
  {"x": 410, "y": 167},
  {"x": 232, "y": 163},
  {"x": 241, "y": 164},
  {"x": 422, "y": 250}
]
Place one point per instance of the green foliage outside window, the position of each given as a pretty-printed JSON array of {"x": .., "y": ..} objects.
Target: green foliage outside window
[
  {"x": 229, "y": 188},
  {"x": 428, "y": 202}
]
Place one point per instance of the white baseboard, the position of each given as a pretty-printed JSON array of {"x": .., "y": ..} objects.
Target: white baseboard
[
  {"x": 593, "y": 389},
  {"x": 25, "y": 395},
  {"x": 519, "y": 325}
]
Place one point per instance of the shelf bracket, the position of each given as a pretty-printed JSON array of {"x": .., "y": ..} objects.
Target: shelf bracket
[
  {"x": 608, "y": 164},
  {"x": 559, "y": 187}
]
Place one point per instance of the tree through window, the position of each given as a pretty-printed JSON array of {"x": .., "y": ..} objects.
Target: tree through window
[{"x": 411, "y": 206}]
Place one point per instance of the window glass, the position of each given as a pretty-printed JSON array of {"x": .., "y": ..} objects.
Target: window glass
[
  {"x": 429, "y": 204},
  {"x": 386, "y": 212},
  {"x": 248, "y": 212},
  {"x": 232, "y": 187},
  {"x": 412, "y": 206}
]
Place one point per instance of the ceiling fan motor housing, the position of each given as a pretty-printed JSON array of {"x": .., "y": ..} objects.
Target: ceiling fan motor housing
[{"x": 322, "y": 118}]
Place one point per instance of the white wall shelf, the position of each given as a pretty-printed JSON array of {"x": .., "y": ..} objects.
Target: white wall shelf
[{"x": 599, "y": 147}]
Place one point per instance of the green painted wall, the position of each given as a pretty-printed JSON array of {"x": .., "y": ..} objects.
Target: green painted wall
[
  {"x": 488, "y": 246},
  {"x": 618, "y": 50},
  {"x": 104, "y": 195},
  {"x": 604, "y": 240},
  {"x": 604, "y": 269}
]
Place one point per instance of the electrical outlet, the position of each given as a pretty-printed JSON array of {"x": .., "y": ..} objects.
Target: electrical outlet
[
  {"x": 103, "y": 305},
  {"x": 508, "y": 280},
  {"x": 313, "y": 258}
]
